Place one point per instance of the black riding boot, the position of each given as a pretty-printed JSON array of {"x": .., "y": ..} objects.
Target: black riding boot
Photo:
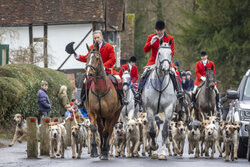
[
  {"x": 121, "y": 96},
  {"x": 193, "y": 103},
  {"x": 217, "y": 104},
  {"x": 83, "y": 97},
  {"x": 177, "y": 84},
  {"x": 141, "y": 85}
]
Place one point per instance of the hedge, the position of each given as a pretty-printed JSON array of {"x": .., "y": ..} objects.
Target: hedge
[{"x": 18, "y": 90}]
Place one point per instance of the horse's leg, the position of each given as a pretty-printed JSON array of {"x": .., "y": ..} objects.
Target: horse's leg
[
  {"x": 123, "y": 116},
  {"x": 152, "y": 132},
  {"x": 93, "y": 128}
]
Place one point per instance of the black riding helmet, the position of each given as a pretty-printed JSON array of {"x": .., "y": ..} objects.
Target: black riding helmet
[
  {"x": 132, "y": 59},
  {"x": 159, "y": 25}
]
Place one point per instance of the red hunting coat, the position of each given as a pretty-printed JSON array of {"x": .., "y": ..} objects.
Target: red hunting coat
[
  {"x": 200, "y": 71},
  {"x": 133, "y": 73},
  {"x": 154, "y": 48},
  {"x": 108, "y": 57}
]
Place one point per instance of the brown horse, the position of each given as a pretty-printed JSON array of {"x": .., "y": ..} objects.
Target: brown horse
[
  {"x": 206, "y": 99},
  {"x": 102, "y": 102}
]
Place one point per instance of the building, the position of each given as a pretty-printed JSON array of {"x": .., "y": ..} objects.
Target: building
[{"x": 44, "y": 27}]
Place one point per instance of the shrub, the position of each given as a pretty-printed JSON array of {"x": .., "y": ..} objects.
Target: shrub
[{"x": 18, "y": 90}]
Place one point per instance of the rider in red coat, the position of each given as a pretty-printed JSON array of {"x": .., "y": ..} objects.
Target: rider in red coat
[
  {"x": 200, "y": 72},
  {"x": 133, "y": 70},
  {"x": 108, "y": 57},
  {"x": 152, "y": 44},
  {"x": 107, "y": 54}
]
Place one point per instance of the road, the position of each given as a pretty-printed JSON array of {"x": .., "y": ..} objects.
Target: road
[{"x": 16, "y": 157}]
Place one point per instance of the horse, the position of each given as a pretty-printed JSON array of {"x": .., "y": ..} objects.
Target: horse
[
  {"x": 159, "y": 96},
  {"x": 206, "y": 98},
  {"x": 129, "y": 108},
  {"x": 183, "y": 109},
  {"x": 102, "y": 102}
]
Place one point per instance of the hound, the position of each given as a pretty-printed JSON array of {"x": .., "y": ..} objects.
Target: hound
[
  {"x": 78, "y": 139},
  {"x": 194, "y": 134},
  {"x": 132, "y": 136},
  {"x": 179, "y": 135},
  {"x": 21, "y": 129}
]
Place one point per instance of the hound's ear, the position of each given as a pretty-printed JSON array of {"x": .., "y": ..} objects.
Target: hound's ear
[
  {"x": 206, "y": 68},
  {"x": 170, "y": 42},
  {"x": 88, "y": 47}
]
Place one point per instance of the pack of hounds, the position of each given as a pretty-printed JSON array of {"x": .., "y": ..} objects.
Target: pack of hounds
[{"x": 131, "y": 138}]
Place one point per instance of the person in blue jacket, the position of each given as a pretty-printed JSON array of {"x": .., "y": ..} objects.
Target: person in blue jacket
[{"x": 43, "y": 101}]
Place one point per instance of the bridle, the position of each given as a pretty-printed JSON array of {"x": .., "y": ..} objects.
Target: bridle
[
  {"x": 166, "y": 72},
  {"x": 162, "y": 61},
  {"x": 95, "y": 69},
  {"x": 130, "y": 86}
]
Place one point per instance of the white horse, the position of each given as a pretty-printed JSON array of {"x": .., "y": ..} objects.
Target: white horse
[
  {"x": 159, "y": 96},
  {"x": 129, "y": 108}
]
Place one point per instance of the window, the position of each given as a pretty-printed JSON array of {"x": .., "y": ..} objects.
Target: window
[{"x": 246, "y": 95}]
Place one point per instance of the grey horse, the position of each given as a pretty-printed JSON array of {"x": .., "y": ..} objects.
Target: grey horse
[
  {"x": 159, "y": 96},
  {"x": 206, "y": 99},
  {"x": 129, "y": 108}
]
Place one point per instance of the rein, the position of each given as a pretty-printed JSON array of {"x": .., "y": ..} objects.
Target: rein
[
  {"x": 96, "y": 70},
  {"x": 161, "y": 81}
]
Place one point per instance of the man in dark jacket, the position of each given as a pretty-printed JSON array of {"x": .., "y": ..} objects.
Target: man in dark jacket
[
  {"x": 43, "y": 101},
  {"x": 184, "y": 81},
  {"x": 190, "y": 81}
]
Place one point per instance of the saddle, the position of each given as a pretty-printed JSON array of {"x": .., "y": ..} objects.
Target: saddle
[
  {"x": 118, "y": 86},
  {"x": 199, "y": 89}
]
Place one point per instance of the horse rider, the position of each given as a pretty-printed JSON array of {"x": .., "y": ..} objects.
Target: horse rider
[
  {"x": 133, "y": 70},
  {"x": 152, "y": 44},
  {"x": 108, "y": 57},
  {"x": 200, "y": 72}
]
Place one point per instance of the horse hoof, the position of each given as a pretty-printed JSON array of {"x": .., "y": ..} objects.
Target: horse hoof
[
  {"x": 10, "y": 145},
  {"x": 104, "y": 157},
  {"x": 155, "y": 147},
  {"x": 155, "y": 156},
  {"x": 162, "y": 157}
]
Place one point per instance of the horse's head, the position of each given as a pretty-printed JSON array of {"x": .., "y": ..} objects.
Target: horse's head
[
  {"x": 210, "y": 79},
  {"x": 126, "y": 82},
  {"x": 94, "y": 62},
  {"x": 164, "y": 56}
]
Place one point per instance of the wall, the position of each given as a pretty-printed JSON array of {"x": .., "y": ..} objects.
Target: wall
[{"x": 58, "y": 37}]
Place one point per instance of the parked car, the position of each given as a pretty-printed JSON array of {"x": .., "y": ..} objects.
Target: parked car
[{"x": 239, "y": 110}]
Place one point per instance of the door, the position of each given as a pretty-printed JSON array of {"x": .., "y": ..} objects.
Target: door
[{"x": 4, "y": 54}]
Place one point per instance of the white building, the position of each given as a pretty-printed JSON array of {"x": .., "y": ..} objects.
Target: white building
[{"x": 49, "y": 25}]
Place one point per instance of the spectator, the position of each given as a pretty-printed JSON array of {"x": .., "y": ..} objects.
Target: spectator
[
  {"x": 63, "y": 100},
  {"x": 184, "y": 81},
  {"x": 43, "y": 101},
  {"x": 69, "y": 112},
  {"x": 190, "y": 81},
  {"x": 177, "y": 65}
]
